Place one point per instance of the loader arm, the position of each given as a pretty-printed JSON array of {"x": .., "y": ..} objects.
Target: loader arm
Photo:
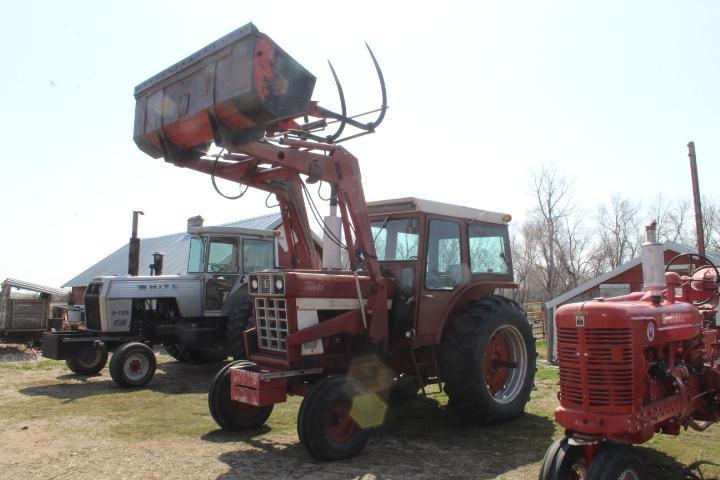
[{"x": 276, "y": 168}]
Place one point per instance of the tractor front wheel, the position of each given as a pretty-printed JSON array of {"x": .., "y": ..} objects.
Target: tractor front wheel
[
  {"x": 132, "y": 365},
  {"x": 615, "y": 462},
  {"x": 487, "y": 360},
  {"x": 564, "y": 462},
  {"x": 88, "y": 361},
  {"x": 229, "y": 414},
  {"x": 327, "y": 423}
]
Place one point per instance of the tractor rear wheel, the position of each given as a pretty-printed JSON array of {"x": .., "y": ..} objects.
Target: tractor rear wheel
[
  {"x": 487, "y": 360},
  {"x": 615, "y": 462},
  {"x": 229, "y": 414},
  {"x": 183, "y": 353},
  {"x": 564, "y": 462},
  {"x": 239, "y": 320},
  {"x": 326, "y": 425},
  {"x": 132, "y": 365},
  {"x": 88, "y": 361}
]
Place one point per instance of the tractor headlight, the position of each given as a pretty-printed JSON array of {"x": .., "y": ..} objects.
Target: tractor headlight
[
  {"x": 253, "y": 284},
  {"x": 279, "y": 284}
]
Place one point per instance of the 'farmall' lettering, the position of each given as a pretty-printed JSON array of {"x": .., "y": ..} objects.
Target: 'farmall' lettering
[{"x": 675, "y": 318}]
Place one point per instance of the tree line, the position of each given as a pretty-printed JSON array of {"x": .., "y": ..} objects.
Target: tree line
[{"x": 558, "y": 246}]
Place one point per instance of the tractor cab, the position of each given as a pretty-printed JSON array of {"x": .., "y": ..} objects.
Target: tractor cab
[
  {"x": 438, "y": 254},
  {"x": 223, "y": 256}
]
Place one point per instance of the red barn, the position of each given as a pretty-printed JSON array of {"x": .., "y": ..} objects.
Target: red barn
[{"x": 621, "y": 280}]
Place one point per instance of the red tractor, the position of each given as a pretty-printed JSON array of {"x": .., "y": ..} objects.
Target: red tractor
[
  {"x": 414, "y": 305},
  {"x": 633, "y": 366}
]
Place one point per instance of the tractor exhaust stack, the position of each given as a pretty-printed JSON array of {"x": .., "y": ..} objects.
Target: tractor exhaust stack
[
  {"x": 134, "y": 248},
  {"x": 653, "y": 263}
]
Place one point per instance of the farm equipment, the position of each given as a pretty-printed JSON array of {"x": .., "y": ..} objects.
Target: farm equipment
[
  {"x": 636, "y": 365},
  {"x": 27, "y": 310},
  {"x": 417, "y": 304},
  {"x": 198, "y": 317}
]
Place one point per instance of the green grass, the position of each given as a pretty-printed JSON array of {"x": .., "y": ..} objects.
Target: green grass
[
  {"x": 174, "y": 405},
  {"x": 44, "y": 364}
]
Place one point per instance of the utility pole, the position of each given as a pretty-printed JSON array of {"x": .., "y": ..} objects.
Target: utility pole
[{"x": 696, "y": 198}]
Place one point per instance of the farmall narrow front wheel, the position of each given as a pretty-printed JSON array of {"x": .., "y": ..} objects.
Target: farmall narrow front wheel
[
  {"x": 616, "y": 462},
  {"x": 231, "y": 415},
  {"x": 564, "y": 462},
  {"x": 330, "y": 421},
  {"x": 487, "y": 360}
]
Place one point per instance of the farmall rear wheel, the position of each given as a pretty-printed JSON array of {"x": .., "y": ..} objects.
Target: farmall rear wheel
[
  {"x": 231, "y": 415},
  {"x": 327, "y": 423},
  {"x": 132, "y": 365},
  {"x": 487, "y": 360}
]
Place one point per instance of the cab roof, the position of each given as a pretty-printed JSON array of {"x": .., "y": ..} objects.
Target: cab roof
[{"x": 420, "y": 205}]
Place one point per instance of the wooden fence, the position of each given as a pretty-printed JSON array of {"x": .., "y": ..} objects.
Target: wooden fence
[{"x": 536, "y": 315}]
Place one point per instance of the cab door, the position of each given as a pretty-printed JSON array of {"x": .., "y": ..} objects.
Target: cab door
[
  {"x": 442, "y": 274},
  {"x": 223, "y": 269}
]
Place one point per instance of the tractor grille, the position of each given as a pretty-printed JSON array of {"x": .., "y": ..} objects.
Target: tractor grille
[
  {"x": 271, "y": 323},
  {"x": 601, "y": 373},
  {"x": 265, "y": 281}
]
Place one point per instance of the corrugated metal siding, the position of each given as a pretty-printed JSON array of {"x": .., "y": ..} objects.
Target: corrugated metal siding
[{"x": 175, "y": 247}]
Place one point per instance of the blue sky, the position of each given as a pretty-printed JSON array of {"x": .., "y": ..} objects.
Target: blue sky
[{"x": 481, "y": 93}]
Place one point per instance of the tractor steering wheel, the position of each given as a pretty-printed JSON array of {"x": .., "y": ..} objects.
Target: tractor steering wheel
[{"x": 701, "y": 257}]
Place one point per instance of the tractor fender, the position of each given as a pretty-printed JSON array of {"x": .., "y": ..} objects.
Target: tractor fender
[{"x": 464, "y": 294}]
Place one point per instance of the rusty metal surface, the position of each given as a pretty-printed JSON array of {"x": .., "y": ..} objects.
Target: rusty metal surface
[{"x": 227, "y": 92}]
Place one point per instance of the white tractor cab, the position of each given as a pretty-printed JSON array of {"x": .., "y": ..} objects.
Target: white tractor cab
[{"x": 198, "y": 317}]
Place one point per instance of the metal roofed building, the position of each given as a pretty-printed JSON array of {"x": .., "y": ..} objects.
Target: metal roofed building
[
  {"x": 175, "y": 247},
  {"x": 621, "y": 280}
]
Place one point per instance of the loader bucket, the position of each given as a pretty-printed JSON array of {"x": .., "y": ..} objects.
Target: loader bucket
[{"x": 227, "y": 92}]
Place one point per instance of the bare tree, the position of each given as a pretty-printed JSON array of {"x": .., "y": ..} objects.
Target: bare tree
[
  {"x": 553, "y": 194},
  {"x": 574, "y": 254},
  {"x": 619, "y": 230}
]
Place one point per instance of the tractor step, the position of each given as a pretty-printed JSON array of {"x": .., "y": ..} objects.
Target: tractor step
[{"x": 433, "y": 377}]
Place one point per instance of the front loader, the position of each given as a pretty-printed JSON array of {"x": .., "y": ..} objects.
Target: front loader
[{"x": 416, "y": 302}]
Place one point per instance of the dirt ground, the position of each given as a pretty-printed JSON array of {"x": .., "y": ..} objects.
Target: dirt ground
[{"x": 54, "y": 425}]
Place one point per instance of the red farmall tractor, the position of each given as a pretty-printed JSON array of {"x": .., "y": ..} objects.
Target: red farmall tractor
[
  {"x": 414, "y": 305},
  {"x": 633, "y": 366}
]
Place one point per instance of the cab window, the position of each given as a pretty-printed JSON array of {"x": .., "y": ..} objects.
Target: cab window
[
  {"x": 222, "y": 255},
  {"x": 258, "y": 255},
  {"x": 489, "y": 249},
  {"x": 396, "y": 240},
  {"x": 196, "y": 256},
  {"x": 443, "y": 270}
]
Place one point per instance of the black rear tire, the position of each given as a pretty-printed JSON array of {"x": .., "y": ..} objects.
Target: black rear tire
[
  {"x": 184, "y": 354},
  {"x": 89, "y": 360},
  {"x": 326, "y": 426},
  {"x": 231, "y": 415},
  {"x": 239, "y": 319},
  {"x": 563, "y": 461},
  {"x": 487, "y": 360},
  {"x": 132, "y": 365},
  {"x": 616, "y": 462}
]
